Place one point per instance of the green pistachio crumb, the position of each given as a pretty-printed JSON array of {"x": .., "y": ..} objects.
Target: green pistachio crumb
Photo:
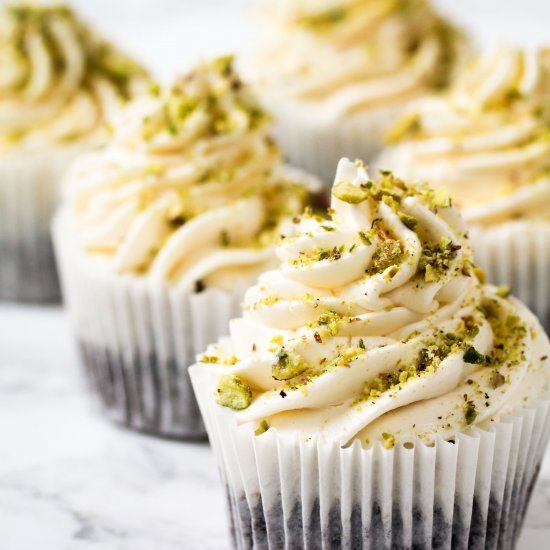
[
  {"x": 262, "y": 428},
  {"x": 288, "y": 365},
  {"x": 389, "y": 440},
  {"x": 347, "y": 192},
  {"x": 473, "y": 357},
  {"x": 388, "y": 254},
  {"x": 470, "y": 413},
  {"x": 233, "y": 393},
  {"x": 408, "y": 221},
  {"x": 503, "y": 291},
  {"x": 366, "y": 238},
  {"x": 436, "y": 259}
]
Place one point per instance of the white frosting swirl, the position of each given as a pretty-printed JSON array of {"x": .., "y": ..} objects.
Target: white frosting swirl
[
  {"x": 487, "y": 140},
  {"x": 191, "y": 188},
  {"x": 59, "y": 82},
  {"x": 376, "y": 323},
  {"x": 351, "y": 55}
]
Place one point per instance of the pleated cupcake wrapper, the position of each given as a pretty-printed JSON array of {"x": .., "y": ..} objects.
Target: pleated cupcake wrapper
[
  {"x": 284, "y": 492},
  {"x": 137, "y": 340},
  {"x": 29, "y": 191},
  {"x": 518, "y": 255},
  {"x": 316, "y": 144}
]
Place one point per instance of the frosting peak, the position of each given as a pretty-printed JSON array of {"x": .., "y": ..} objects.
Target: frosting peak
[
  {"x": 58, "y": 80},
  {"x": 487, "y": 140},
  {"x": 374, "y": 313},
  {"x": 191, "y": 184}
]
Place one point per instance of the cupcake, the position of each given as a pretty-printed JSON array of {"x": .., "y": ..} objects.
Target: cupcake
[
  {"x": 375, "y": 393},
  {"x": 59, "y": 81},
  {"x": 488, "y": 142},
  {"x": 336, "y": 73},
  {"x": 160, "y": 233}
]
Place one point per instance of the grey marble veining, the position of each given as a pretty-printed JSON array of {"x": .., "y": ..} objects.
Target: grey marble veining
[{"x": 71, "y": 481}]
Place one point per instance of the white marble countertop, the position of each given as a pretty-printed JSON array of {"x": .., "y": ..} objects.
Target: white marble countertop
[{"x": 69, "y": 480}]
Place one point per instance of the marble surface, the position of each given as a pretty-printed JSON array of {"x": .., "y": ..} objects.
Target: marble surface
[{"x": 71, "y": 481}]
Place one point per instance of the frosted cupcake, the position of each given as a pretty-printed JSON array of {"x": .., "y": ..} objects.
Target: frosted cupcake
[
  {"x": 58, "y": 83},
  {"x": 488, "y": 142},
  {"x": 160, "y": 233},
  {"x": 336, "y": 73},
  {"x": 375, "y": 393}
]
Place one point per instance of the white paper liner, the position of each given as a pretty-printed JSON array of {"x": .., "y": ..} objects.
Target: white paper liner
[
  {"x": 137, "y": 340},
  {"x": 29, "y": 191},
  {"x": 284, "y": 492},
  {"x": 314, "y": 142},
  {"x": 518, "y": 254}
]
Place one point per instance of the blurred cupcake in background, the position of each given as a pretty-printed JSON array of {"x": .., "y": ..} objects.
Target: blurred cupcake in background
[
  {"x": 160, "y": 233},
  {"x": 59, "y": 82},
  {"x": 488, "y": 142},
  {"x": 336, "y": 73},
  {"x": 375, "y": 393}
]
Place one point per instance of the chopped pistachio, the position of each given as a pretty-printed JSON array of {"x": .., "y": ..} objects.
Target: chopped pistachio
[
  {"x": 473, "y": 357},
  {"x": 389, "y": 440},
  {"x": 262, "y": 428},
  {"x": 330, "y": 320},
  {"x": 503, "y": 291},
  {"x": 408, "y": 221},
  {"x": 288, "y": 365},
  {"x": 366, "y": 238},
  {"x": 441, "y": 198},
  {"x": 470, "y": 413},
  {"x": 388, "y": 254},
  {"x": 436, "y": 259},
  {"x": 347, "y": 192},
  {"x": 233, "y": 393}
]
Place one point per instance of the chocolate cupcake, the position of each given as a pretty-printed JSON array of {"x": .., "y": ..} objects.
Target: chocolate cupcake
[
  {"x": 336, "y": 73},
  {"x": 487, "y": 141},
  {"x": 160, "y": 233},
  {"x": 375, "y": 392},
  {"x": 59, "y": 83}
]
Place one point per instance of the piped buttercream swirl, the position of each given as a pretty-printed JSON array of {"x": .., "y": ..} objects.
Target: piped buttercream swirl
[
  {"x": 487, "y": 140},
  {"x": 191, "y": 188},
  {"x": 59, "y": 81},
  {"x": 376, "y": 323},
  {"x": 351, "y": 55}
]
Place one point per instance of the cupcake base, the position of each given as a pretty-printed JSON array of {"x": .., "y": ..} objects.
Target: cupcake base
[
  {"x": 137, "y": 338},
  {"x": 478, "y": 528},
  {"x": 143, "y": 392},
  {"x": 28, "y": 272},
  {"x": 29, "y": 190},
  {"x": 287, "y": 491}
]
